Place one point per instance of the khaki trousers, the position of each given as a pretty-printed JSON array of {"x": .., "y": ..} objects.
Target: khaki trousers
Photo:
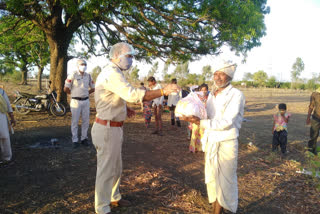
[
  {"x": 108, "y": 143},
  {"x": 80, "y": 108}
]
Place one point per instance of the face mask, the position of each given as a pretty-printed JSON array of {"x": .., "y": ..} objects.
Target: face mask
[
  {"x": 125, "y": 63},
  {"x": 82, "y": 68}
]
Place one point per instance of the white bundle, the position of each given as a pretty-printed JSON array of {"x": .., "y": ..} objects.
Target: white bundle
[{"x": 191, "y": 106}]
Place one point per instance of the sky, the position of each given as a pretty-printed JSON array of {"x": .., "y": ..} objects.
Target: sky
[{"x": 292, "y": 31}]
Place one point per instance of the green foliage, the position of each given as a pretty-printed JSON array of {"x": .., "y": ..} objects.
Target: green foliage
[
  {"x": 260, "y": 78},
  {"x": 153, "y": 69},
  {"x": 179, "y": 30},
  {"x": 181, "y": 71},
  {"x": 134, "y": 74},
  {"x": 12, "y": 76},
  {"x": 22, "y": 44},
  {"x": 95, "y": 72},
  {"x": 207, "y": 72},
  {"x": 297, "y": 68},
  {"x": 247, "y": 76},
  {"x": 313, "y": 164},
  {"x": 298, "y": 85},
  {"x": 272, "y": 82}
]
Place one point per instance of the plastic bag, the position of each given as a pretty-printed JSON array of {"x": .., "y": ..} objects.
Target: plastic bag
[{"x": 191, "y": 106}]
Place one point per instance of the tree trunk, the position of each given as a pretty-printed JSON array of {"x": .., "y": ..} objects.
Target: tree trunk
[
  {"x": 40, "y": 70},
  {"x": 24, "y": 75},
  {"x": 58, "y": 65}
]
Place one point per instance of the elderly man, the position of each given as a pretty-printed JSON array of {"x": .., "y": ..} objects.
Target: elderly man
[
  {"x": 112, "y": 93},
  {"x": 79, "y": 84},
  {"x": 225, "y": 107},
  {"x": 314, "y": 109}
]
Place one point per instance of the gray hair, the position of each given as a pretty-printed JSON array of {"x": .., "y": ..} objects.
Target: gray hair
[
  {"x": 119, "y": 49},
  {"x": 79, "y": 61}
]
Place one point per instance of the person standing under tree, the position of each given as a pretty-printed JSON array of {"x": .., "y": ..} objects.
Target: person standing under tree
[
  {"x": 173, "y": 99},
  {"x": 112, "y": 93},
  {"x": 225, "y": 109},
  {"x": 79, "y": 84},
  {"x": 157, "y": 106},
  {"x": 314, "y": 109}
]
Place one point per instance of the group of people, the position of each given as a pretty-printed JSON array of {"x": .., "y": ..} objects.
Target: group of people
[
  {"x": 225, "y": 106},
  {"x": 217, "y": 135}
]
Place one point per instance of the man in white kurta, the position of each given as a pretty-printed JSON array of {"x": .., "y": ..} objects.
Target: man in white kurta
[
  {"x": 173, "y": 99},
  {"x": 157, "y": 106},
  {"x": 111, "y": 94},
  {"x": 5, "y": 144},
  {"x": 225, "y": 109}
]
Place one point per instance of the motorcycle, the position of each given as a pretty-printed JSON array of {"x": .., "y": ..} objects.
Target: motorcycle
[{"x": 24, "y": 103}]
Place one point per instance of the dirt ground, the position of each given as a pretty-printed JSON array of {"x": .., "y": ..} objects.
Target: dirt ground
[{"x": 159, "y": 174}]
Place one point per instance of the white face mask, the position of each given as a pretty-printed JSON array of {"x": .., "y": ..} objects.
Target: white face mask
[
  {"x": 82, "y": 68},
  {"x": 125, "y": 62}
]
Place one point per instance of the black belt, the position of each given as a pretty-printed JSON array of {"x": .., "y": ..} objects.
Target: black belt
[{"x": 80, "y": 98}]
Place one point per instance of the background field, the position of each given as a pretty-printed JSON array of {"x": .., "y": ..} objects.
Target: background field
[{"x": 159, "y": 174}]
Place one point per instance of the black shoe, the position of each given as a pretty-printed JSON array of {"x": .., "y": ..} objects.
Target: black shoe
[
  {"x": 178, "y": 123},
  {"x": 172, "y": 122},
  {"x": 85, "y": 142},
  {"x": 76, "y": 145}
]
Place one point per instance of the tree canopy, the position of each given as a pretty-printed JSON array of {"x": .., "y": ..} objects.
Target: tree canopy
[{"x": 175, "y": 29}]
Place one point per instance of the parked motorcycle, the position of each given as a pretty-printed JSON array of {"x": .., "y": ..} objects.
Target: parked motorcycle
[{"x": 24, "y": 103}]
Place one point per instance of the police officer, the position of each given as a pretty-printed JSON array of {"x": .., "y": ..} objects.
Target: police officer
[
  {"x": 79, "y": 84},
  {"x": 112, "y": 93}
]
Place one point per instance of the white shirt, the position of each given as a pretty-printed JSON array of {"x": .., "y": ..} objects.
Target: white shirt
[
  {"x": 111, "y": 93},
  {"x": 174, "y": 98},
  {"x": 79, "y": 84},
  {"x": 157, "y": 101},
  {"x": 225, "y": 113}
]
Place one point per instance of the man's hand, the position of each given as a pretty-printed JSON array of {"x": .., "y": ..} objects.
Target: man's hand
[
  {"x": 67, "y": 90},
  {"x": 308, "y": 122},
  {"x": 191, "y": 119},
  {"x": 130, "y": 112},
  {"x": 171, "y": 88}
]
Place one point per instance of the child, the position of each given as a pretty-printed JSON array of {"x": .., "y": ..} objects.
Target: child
[{"x": 279, "y": 129}]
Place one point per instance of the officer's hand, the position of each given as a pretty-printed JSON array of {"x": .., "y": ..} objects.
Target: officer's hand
[{"x": 170, "y": 89}]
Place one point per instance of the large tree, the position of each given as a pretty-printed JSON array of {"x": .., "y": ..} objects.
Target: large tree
[
  {"x": 260, "y": 78},
  {"x": 23, "y": 45},
  {"x": 176, "y": 29}
]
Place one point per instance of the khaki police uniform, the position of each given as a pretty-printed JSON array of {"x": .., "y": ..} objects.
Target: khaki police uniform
[
  {"x": 111, "y": 94},
  {"x": 79, "y": 104}
]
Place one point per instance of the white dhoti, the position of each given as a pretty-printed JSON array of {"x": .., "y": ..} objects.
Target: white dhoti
[
  {"x": 80, "y": 107},
  {"x": 221, "y": 173},
  {"x": 108, "y": 143},
  {"x": 5, "y": 144}
]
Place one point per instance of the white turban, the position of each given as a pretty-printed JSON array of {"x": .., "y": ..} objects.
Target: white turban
[{"x": 228, "y": 69}]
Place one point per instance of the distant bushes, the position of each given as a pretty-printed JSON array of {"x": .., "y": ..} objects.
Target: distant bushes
[
  {"x": 13, "y": 76},
  {"x": 286, "y": 85}
]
